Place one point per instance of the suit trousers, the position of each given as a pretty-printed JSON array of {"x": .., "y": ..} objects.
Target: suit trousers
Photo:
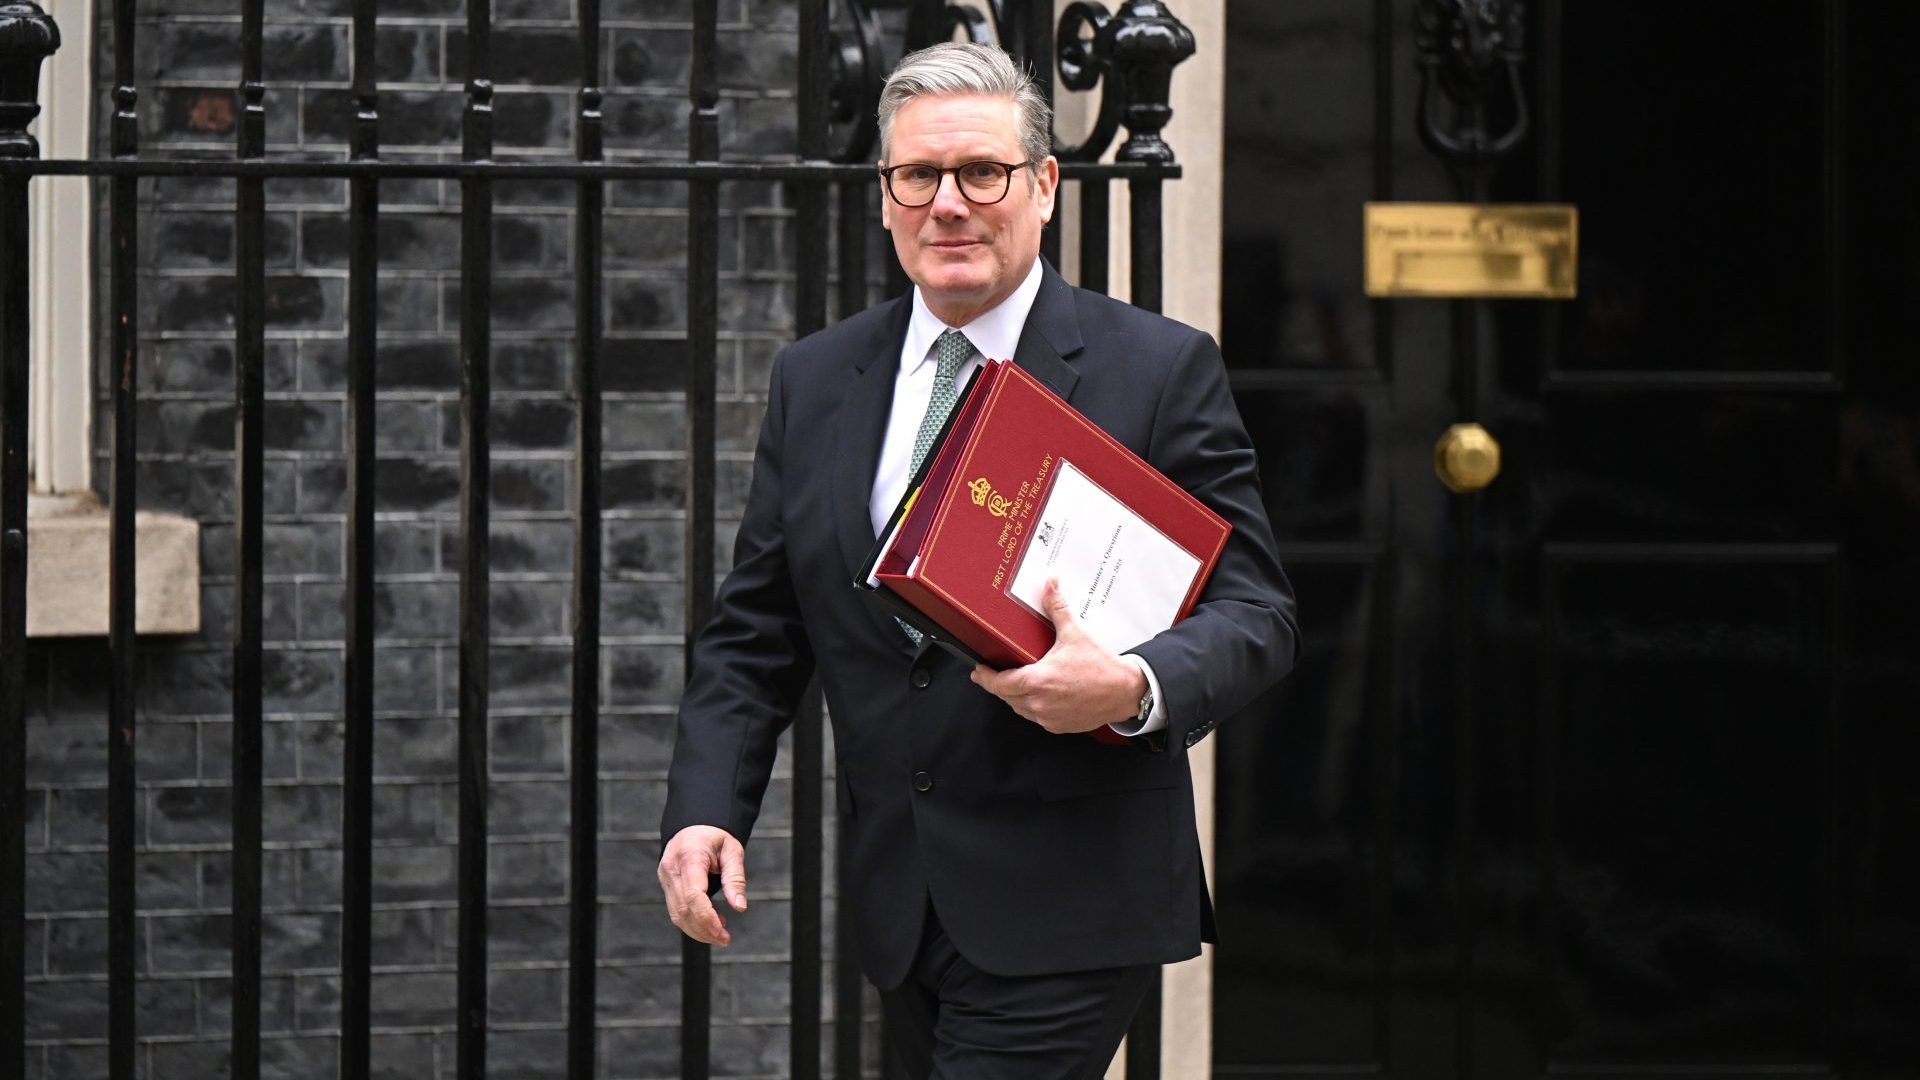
[{"x": 952, "y": 1021}]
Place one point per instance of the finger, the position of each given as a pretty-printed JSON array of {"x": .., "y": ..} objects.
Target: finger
[
  {"x": 733, "y": 873},
  {"x": 697, "y": 915}
]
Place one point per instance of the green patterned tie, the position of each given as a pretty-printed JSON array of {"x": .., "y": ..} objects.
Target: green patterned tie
[{"x": 953, "y": 351}]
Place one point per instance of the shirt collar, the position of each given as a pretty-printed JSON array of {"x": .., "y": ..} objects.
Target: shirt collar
[{"x": 995, "y": 332}]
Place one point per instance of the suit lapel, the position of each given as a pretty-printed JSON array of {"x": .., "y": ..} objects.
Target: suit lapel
[
  {"x": 862, "y": 429},
  {"x": 1051, "y": 335}
]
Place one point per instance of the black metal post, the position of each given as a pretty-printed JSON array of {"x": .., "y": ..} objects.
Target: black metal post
[
  {"x": 123, "y": 305},
  {"x": 249, "y": 421},
  {"x": 703, "y": 286},
  {"x": 27, "y": 37},
  {"x": 356, "y": 824},
  {"x": 848, "y": 984},
  {"x": 584, "y": 821},
  {"x": 476, "y": 263},
  {"x": 810, "y": 314}
]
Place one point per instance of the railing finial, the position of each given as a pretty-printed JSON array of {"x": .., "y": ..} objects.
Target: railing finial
[
  {"x": 1144, "y": 42},
  {"x": 27, "y": 37}
]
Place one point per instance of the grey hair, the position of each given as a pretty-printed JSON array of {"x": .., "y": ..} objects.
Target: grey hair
[{"x": 962, "y": 67}]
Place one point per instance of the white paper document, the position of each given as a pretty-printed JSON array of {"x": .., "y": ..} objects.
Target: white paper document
[{"x": 1123, "y": 578}]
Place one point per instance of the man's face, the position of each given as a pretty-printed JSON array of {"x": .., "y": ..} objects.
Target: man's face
[{"x": 966, "y": 257}]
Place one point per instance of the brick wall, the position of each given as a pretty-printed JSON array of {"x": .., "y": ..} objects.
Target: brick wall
[{"x": 189, "y": 52}]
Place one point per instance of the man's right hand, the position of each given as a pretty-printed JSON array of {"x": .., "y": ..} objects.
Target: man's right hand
[{"x": 692, "y": 856}]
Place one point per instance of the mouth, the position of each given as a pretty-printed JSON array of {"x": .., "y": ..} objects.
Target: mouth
[{"x": 953, "y": 245}]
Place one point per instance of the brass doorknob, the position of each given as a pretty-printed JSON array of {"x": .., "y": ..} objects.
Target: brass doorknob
[{"x": 1466, "y": 458}]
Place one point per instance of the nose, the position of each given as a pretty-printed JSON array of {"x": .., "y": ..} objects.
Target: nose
[{"x": 948, "y": 203}]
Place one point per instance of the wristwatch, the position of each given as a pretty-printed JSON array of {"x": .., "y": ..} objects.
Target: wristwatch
[{"x": 1146, "y": 704}]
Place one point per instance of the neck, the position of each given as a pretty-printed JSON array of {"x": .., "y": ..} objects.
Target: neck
[{"x": 959, "y": 311}]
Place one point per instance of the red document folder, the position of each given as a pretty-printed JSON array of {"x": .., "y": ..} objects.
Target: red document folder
[{"x": 949, "y": 561}]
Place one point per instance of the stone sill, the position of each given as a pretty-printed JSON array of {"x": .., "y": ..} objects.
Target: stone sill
[{"x": 67, "y": 541}]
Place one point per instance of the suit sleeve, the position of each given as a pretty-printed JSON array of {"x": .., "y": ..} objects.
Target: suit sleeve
[
  {"x": 1242, "y": 635},
  {"x": 750, "y": 664}
]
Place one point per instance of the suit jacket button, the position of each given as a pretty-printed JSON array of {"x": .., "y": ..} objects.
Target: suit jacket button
[
  {"x": 922, "y": 782},
  {"x": 920, "y": 678}
]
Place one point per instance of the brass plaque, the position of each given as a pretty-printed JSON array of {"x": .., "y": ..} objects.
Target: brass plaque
[{"x": 1511, "y": 250}]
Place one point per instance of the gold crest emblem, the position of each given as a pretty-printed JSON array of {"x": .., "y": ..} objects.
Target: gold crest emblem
[{"x": 984, "y": 495}]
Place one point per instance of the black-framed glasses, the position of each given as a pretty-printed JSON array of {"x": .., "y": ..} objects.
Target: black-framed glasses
[{"x": 982, "y": 183}]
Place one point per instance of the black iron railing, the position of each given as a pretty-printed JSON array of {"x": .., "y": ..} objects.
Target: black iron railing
[{"x": 1126, "y": 54}]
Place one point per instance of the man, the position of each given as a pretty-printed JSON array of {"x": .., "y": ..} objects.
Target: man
[{"x": 1016, "y": 880}]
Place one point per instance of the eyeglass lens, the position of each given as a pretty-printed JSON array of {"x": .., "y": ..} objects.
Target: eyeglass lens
[{"x": 980, "y": 181}]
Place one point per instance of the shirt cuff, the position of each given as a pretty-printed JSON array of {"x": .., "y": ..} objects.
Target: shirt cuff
[{"x": 1157, "y": 719}]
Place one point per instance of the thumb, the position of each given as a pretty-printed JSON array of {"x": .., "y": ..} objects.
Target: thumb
[
  {"x": 1058, "y": 609},
  {"x": 733, "y": 873}
]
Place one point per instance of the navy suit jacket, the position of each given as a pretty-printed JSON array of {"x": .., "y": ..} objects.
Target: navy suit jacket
[{"x": 1041, "y": 853}]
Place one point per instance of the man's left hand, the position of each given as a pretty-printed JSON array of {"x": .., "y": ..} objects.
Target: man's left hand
[{"x": 1077, "y": 686}]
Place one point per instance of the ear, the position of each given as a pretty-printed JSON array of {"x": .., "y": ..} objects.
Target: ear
[
  {"x": 1046, "y": 186},
  {"x": 886, "y": 205}
]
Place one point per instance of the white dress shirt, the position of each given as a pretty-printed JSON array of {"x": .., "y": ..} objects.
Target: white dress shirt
[{"x": 994, "y": 333}]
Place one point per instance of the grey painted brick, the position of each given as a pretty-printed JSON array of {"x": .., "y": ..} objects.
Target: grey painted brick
[
  {"x": 631, "y": 806},
  {"x": 405, "y": 1056},
  {"x": 415, "y": 812},
  {"x": 76, "y": 946},
  {"x": 643, "y": 607},
  {"x": 538, "y": 1054},
  {"x": 299, "y": 940},
  {"x": 413, "y": 484},
  {"x": 190, "y": 816},
  {"x": 642, "y": 546},
  {"x": 527, "y": 807},
  {"x": 627, "y": 869},
  {"x": 643, "y": 675},
  {"x": 413, "y": 746},
  {"x": 167, "y": 751},
  {"x": 412, "y": 998},
  {"x": 649, "y": 364},
  {"x": 641, "y": 1053},
  {"x": 530, "y": 608},
  {"x": 182, "y": 944},
  {"x": 187, "y": 366},
  {"x": 168, "y": 1007},
  {"x": 405, "y": 936},
  {"x": 531, "y": 55},
  {"x": 315, "y": 365},
  {"x": 652, "y": 58},
  {"x": 533, "y": 676},
  {"x": 300, "y": 812},
  {"x": 424, "y": 364},
  {"x": 527, "y": 871},
  {"x": 640, "y": 742},
  {"x": 408, "y": 679},
  {"x": 67, "y": 1010},
  {"x": 533, "y": 364},
  {"x": 57, "y": 880},
  {"x": 320, "y": 486},
  {"x": 522, "y": 546},
  {"x": 413, "y": 873},
  {"x": 410, "y": 303},
  {"x": 71, "y": 1061},
  {"x": 416, "y": 608},
  {"x": 405, "y": 547},
  {"x": 529, "y": 744},
  {"x": 639, "y": 931},
  {"x": 66, "y": 749},
  {"x": 631, "y": 993},
  {"x": 528, "y": 932},
  {"x": 527, "y": 995},
  {"x": 531, "y": 485},
  {"x": 277, "y": 1005},
  {"x": 408, "y": 54}
]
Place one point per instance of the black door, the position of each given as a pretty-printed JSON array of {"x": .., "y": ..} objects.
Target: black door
[{"x": 1602, "y": 771}]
